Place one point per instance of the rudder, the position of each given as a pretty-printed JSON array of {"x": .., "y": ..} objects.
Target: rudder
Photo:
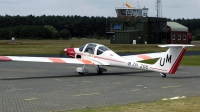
[{"x": 171, "y": 59}]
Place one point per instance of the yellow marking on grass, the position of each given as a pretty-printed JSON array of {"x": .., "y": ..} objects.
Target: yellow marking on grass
[
  {"x": 135, "y": 90},
  {"x": 29, "y": 99},
  {"x": 87, "y": 94},
  {"x": 171, "y": 86}
]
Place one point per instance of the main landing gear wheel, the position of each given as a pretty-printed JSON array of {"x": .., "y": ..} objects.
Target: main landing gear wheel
[
  {"x": 80, "y": 73},
  {"x": 163, "y": 75},
  {"x": 99, "y": 72}
]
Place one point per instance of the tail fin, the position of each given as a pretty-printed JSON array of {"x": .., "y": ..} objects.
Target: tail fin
[{"x": 171, "y": 59}]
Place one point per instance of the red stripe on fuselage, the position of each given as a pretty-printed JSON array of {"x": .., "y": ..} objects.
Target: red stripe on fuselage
[
  {"x": 108, "y": 59},
  {"x": 157, "y": 69}
]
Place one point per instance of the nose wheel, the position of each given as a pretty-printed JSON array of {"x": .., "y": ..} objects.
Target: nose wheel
[
  {"x": 80, "y": 73},
  {"x": 163, "y": 75},
  {"x": 81, "y": 70}
]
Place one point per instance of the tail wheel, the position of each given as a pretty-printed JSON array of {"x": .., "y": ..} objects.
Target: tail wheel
[{"x": 163, "y": 75}]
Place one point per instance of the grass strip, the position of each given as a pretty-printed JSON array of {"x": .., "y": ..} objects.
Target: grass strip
[
  {"x": 45, "y": 47},
  {"x": 179, "y": 105}
]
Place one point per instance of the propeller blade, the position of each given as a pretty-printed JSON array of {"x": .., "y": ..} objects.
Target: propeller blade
[
  {"x": 72, "y": 45},
  {"x": 61, "y": 53}
]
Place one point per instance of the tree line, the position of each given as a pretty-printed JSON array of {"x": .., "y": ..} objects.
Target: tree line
[
  {"x": 51, "y": 27},
  {"x": 65, "y": 27}
]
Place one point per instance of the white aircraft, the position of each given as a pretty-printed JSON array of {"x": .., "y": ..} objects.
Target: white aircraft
[{"x": 100, "y": 55}]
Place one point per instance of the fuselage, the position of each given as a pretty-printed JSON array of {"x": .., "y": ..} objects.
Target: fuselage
[{"x": 104, "y": 56}]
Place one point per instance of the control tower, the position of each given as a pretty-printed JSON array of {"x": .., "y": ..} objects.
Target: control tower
[
  {"x": 130, "y": 11},
  {"x": 134, "y": 24}
]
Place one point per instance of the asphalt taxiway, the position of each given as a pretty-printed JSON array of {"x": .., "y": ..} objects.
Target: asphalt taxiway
[{"x": 31, "y": 86}]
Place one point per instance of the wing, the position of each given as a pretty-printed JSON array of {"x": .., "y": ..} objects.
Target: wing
[
  {"x": 49, "y": 59},
  {"x": 140, "y": 57}
]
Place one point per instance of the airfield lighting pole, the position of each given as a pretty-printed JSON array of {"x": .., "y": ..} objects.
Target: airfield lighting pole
[{"x": 159, "y": 14}]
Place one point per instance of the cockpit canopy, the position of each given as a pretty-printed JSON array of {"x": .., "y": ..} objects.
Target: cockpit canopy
[
  {"x": 93, "y": 48},
  {"x": 102, "y": 49}
]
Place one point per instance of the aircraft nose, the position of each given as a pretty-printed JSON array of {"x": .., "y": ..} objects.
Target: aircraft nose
[{"x": 70, "y": 52}]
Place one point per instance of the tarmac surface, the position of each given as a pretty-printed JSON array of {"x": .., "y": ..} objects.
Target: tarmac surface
[{"x": 43, "y": 87}]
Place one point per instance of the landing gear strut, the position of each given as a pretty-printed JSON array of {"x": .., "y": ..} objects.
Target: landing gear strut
[
  {"x": 163, "y": 75},
  {"x": 99, "y": 70}
]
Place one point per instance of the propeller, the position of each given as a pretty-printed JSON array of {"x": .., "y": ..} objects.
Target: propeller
[
  {"x": 62, "y": 52},
  {"x": 72, "y": 45}
]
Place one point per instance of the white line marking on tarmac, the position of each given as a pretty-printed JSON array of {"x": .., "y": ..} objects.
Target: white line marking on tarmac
[
  {"x": 25, "y": 70},
  {"x": 14, "y": 77},
  {"x": 59, "y": 80},
  {"x": 139, "y": 85},
  {"x": 16, "y": 89},
  {"x": 70, "y": 85},
  {"x": 185, "y": 72},
  {"x": 86, "y": 94},
  {"x": 135, "y": 90},
  {"x": 87, "y": 81},
  {"x": 116, "y": 83},
  {"x": 29, "y": 99},
  {"x": 171, "y": 86}
]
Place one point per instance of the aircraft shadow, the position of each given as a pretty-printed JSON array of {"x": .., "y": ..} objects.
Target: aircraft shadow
[
  {"x": 132, "y": 74},
  {"x": 84, "y": 75},
  {"x": 185, "y": 77}
]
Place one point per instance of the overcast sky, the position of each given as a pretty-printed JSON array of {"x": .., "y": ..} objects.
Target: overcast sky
[{"x": 173, "y": 9}]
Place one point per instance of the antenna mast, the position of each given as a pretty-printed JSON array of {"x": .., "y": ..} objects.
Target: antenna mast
[
  {"x": 159, "y": 8},
  {"x": 138, "y": 6}
]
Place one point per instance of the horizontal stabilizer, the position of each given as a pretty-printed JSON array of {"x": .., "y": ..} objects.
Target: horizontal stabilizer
[{"x": 175, "y": 45}]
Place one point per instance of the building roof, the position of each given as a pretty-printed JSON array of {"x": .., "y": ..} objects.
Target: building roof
[{"x": 176, "y": 26}]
